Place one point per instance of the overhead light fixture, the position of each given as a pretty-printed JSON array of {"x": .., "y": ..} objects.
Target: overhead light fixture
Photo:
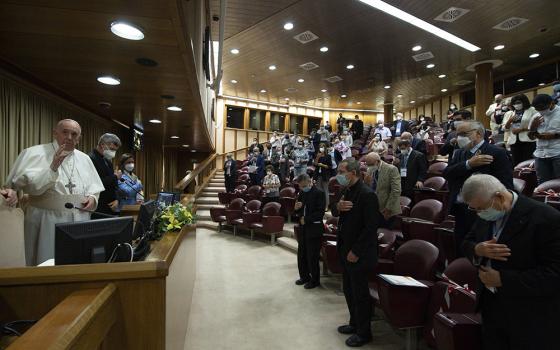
[
  {"x": 412, "y": 102},
  {"x": 324, "y": 90},
  {"x": 441, "y": 76},
  {"x": 343, "y": 96},
  {"x": 443, "y": 90},
  {"x": 193, "y": 151},
  {"x": 234, "y": 51},
  {"x": 287, "y": 99},
  {"x": 126, "y": 30},
  {"x": 534, "y": 55},
  {"x": 324, "y": 49},
  {"x": 520, "y": 80},
  {"x": 358, "y": 103},
  {"x": 289, "y": 26},
  {"x": 186, "y": 146},
  {"x": 430, "y": 66},
  {"x": 542, "y": 84},
  {"x": 263, "y": 91},
  {"x": 350, "y": 66},
  {"x": 499, "y": 47},
  {"x": 108, "y": 80},
  {"x": 233, "y": 81},
  {"x": 174, "y": 108},
  {"x": 155, "y": 121},
  {"x": 387, "y": 87},
  {"x": 399, "y": 95},
  {"x": 415, "y": 21},
  {"x": 174, "y": 137},
  {"x": 272, "y": 67},
  {"x": 300, "y": 80},
  {"x": 417, "y": 48}
]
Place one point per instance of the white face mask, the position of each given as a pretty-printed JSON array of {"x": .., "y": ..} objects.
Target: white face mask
[
  {"x": 518, "y": 106},
  {"x": 109, "y": 154},
  {"x": 404, "y": 152},
  {"x": 322, "y": 149},
  {"x": 129, "y": 167},
  {"x": 463, "y": 141}
]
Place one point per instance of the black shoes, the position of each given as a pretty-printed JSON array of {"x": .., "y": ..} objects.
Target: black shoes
[
  {"x": 346, "y": 329},
  {"x": 356, "y": 341},
  {"x": 311, "y": 285},
  {"x": 301, "y": 282}
]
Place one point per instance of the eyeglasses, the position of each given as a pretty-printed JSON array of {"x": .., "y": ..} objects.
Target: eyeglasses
[
  {"x": 479, "y": 210},
  {"x": 465, "y": 133}
]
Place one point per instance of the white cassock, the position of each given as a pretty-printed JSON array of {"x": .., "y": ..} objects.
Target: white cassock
[{"x": 49, "y": 191}]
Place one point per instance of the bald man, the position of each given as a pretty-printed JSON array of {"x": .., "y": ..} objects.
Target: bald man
[
  {"x": 54, "y": 174},
  {"x": 385, "y": 180}
]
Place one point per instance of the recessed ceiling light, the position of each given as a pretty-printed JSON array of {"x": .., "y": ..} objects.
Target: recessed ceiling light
[
  {"x": 155, "y": 121},
  {"x": 430, "y": 66},
  {"x": 263, "y": 91},
  {"x": 499, "y": 47},
  {"x": 186, "y": 146},
  {"x": 108, "y": 80},
  {"x": 287, "y": 99},
  {"x": 534, "y": 55},
  {"x": 324, "y": 49},
  {"x": 359, "y": 103},
  {"x": 174, "y": 137},
  {"x": 272, "y": 67},
  {"x": 300, "y": 80},
  {"x": 324, "y": 90},
  {"x": 289, "y": 26},
  {"x": 520, "y": 80},
  {"x": 235, "y": 51},
  {"x": 399, "y": 95},
  {"x": 343, "y": 96},
  {"x": 415, "y": 21},
  {"x": 174, "y": 108},
  {"x": 193, "y": 151},
  {"x": 234, "y": 81},
  {"x": 350, "y": 66},
  {"x": 443, "y": 90},
  {"x": 441, "y": 76},
  {"x": 126, "y": 30},
  {"x": 387, "y": 87},
  {"x": 542, "y": 84},
  {"x": 412, "y": 102},
  {"x": 417, "y": 48}
]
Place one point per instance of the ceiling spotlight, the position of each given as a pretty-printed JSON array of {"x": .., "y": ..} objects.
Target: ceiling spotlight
[
  {"x": 287, "y": 99},
  {"x": 108, "y": 80},
  {"x": 417, "y": 48},
  {"x": 399, "y": 95},
  {"x": 174, "y": 137},
  {"x": 542, "y": 84},
  {"x": 324, "y": 90},
  {"x": 193, "y": 151},
  {"x": 235, "y": 51},
  {"x": 126, "y": 30},
  {"x": 499, "y": 47},
  {"x": 186, "y": 146},
  {"x": 441, "y": 76},
  {"x": 443, "y": 90},
  {"x": 174, "y": 108},
  {"x": 520, "y": 80},
  {"x": 412, "y": 102},
  {"x": 234, "y": 81},
  {"x": 358, "y": 103},
  {"x": 155, "y": 121},
  {"x": 430, "y": 66},
  {"x": 534, "y": 55},
  {"x": 300, "y": 80},
  {"x": 289, "y": 26},
  {"x": 387, "y": 87},
  {"x": 263, "y": 91},
  {"x": 350, "y": 66},
  {"x": 272, "y": 67},
  {"x": 343, "y": 96},
  {"x": 324, "y": 49}
]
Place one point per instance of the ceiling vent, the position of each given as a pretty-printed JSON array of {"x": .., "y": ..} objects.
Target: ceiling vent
[
  {"x": 333, "y": 79},
  {"x": 291, "y": 90},
  {"x": 510, "y": 23},
  {"x": 426, "y": 97},
  {"x": 308, "y": 66},
  {"x": 423, "y": 56},
  {"x": 451, "y": 14},
  {"x": 463, "y": 82},
  {"x": 306, "y": 37}
]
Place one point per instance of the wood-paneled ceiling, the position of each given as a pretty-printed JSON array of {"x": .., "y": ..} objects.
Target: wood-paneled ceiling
[
  {"x": 378, "y": 45},
  {"x": 67, "y": 44}
]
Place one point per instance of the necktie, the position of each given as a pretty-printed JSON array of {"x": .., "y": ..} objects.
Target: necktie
[{"x": 374, "y": 182}]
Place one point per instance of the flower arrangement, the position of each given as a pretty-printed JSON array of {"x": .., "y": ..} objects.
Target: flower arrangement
[{"x": 173, "y": 218}]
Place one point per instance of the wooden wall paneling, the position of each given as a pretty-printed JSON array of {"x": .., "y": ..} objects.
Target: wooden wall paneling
[
  {"x": 287, "y": 122},
  {"x": 445, "y": 102},
  {"x": 246, "y": 118},
  {"x": 428, "y": 109},
  {"x": 242, "y": 140},
  {"x": 263, "y": 137},
  {"x": 546, "y": 90},
  {"x": 456, "y": 98},
  {"x": 436, "y": 109},
  {"x": 250, "y": 136},
  {"x": 305, "y": 129},
  {"x": 229, "y": 140},
  {"x": 267, "y": 121},
  {"x": 413, "y": 114}
]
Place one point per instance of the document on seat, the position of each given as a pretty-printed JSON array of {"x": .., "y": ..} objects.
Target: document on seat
[
  {"x": 402, "y": 281},
  {"x": 49, "y": 262}
]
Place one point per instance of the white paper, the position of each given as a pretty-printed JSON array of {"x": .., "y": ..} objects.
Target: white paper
[{"x": 403, "y": 281}]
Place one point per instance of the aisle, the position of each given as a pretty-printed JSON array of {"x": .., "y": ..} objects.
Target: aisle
[{"x": 245, "y": 298}]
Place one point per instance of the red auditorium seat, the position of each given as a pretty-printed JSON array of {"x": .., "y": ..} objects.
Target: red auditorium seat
[
  {"x": 405, "y": 307},
  {"x": 458, "y": 331},
  {"x": 436, "y": 183},
  {"x": 251, "y": 213},
  {"x": 225, "y": 197},
  {"x": 334, "y": 190},
  {"x": 549, "y": 192},
  {"x": 405, "y": 205},
  {"x": 436, "y": 169},
  {"x": 526, "y": 171},
  {"x": 243, "y": 179},
  {"x": 234, "y": 211},
  {"x": 240, "y": 190},
  {"x": 424, "y": 217},
  {"x": 218, "y": 215},
  {"x": 519, "y": 185},
  {"x": 253, "y": 192},
  {"x": 288, "y": 198},
  {"x": 271, "y": 223},
  {"x": 253, "y": 221},
  {"x": 434, "y": 188}
]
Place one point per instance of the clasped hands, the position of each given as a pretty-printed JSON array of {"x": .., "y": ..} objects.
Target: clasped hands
[{"x": 492, "y": 250}]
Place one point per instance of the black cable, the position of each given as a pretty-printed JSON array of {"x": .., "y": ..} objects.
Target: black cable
[{"x": 8, "y": 328}]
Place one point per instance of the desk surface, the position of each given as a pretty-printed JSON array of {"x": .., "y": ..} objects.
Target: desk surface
[{"x": 156, "y": 264}]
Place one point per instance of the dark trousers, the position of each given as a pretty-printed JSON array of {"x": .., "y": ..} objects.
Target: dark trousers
[
  {"x": 464, "y": 219},
  {"x": 386, "y": 223},
  {"x": 230, "y": 183},
  {"x": 309, "y": 249},
  {"x": 522, "y": 151},
  {"x": 358, "y": 299}
]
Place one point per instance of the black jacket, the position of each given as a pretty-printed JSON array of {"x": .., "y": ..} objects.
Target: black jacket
[
  {"x": 416, "y": 170},
  {"x": 233, "y": 170},
  {"x": 419, "y": 145},
  {"x": 457, "y": 173},
  {"x": 530, "y": 277},
  {"x": 403, "y": 128},
  {"x": 107, "y": 175},
  {"x": 312, "y": 210},
  {"x": 323, "y": 173},
  {"x": 357, "y": 228}
]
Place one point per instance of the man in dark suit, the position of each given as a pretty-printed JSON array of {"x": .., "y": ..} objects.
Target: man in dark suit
[
  {"x": 400, "y": 126},
  {"x": 358, "y": 212},
  {"x": 102, "y": 157},
  {"x": 413, "y": 167},
  {"x": 230, "y": 173},
  {"x": 357, "y": 127},
  {"x": 416, "y": 143},
  {"x": 310, "y": 207},
  {"x": 515, "y": 242},
  {"x": 474, "y": 156}
]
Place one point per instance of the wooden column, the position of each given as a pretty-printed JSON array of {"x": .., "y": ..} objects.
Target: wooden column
[
  {"x": 287, "y": 123},
  {"x": 484, "y": 90},
  {"x": 305, "y": 129},
  {"x": 267, "y": 121},
  {"x": 246, "y": 119},
  {"x": 388, "y": 112}
]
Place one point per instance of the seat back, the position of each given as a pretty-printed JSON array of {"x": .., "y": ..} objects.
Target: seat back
[
  {"x": 519, "y": 185},
  {"x": 237, "y": 204},
  {"x": 253, "y": 206},
  {"x": 437, "y": 168},
  {"x": 386, "y": 243},
  {"x": 526, "y": 164},
  {"x": 271, "y": 209},
  {"x": 225, "y": 198},
  {"x": 429, "y": 210},
  {"x": 288, "y": 192},
  {"x": 417, "y": 259},
  {"x": 245, "y": 178},
  {"x": 437, "y": 183},
  {"x": 405, "y": 201},
  {"x": 553, "y": 185},
  {"x": 241, "y": 189},
  {"x": 462, "y": 272}
]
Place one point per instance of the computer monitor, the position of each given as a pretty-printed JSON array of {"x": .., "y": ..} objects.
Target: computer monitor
[
  {"x": 169, "y": 198},
  {"x": 145, "y": 220},
  {"x": 89, "y": 242}
]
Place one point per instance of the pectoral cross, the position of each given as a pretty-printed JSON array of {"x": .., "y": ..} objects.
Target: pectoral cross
[{"x": 70, "y": 186}]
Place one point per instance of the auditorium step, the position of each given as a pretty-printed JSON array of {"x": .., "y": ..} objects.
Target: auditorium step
[
  {"x": 207, "y": 200},
  {"x": 207, "y": 194},
  {"x": 289, "y": 243},
  {"x": 208, "y": 206},
  {"x": 203, "y": 214}
]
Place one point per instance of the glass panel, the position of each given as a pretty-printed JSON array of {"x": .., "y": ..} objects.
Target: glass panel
[
  {"x": 313, "y": 123},
  {"x": 235, "y": 117},
  {"x": 256, "y": 119},
  {"x": 277, "y": 121},
  {"x": 296, "y": 124}
]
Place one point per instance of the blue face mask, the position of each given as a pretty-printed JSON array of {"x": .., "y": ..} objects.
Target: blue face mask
[
  {"x": 342, "y": 180},
  {"x": 491, "y": 214},
  {"x": 306, "y": 189},
  {"x": 556, "y": 88}
]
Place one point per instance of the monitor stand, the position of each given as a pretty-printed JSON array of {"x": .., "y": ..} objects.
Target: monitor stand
[{"x": 98, "y": 255}]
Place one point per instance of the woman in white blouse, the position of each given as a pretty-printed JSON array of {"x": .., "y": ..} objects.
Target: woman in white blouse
[
  {"x": 377, "y": 145},
  {"x": 271, "y": 185},
  {"x": 517, "y": 123}
]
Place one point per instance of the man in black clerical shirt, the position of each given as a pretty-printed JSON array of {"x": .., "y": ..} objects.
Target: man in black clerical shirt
[
  {"x": 358, "y": 212},
  {"x": 101, "y": 157}
]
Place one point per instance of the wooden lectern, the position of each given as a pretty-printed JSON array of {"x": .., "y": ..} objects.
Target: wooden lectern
[{"x": 137, "y": 305}]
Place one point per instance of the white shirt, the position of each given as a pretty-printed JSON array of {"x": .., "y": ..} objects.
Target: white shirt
[
  {"x": 384, "y": 132},
  {"x": 551, "y": 124}
]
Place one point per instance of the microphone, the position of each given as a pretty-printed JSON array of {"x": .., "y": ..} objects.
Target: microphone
[
  {"x": 124, "y": 181},
  {"x": 72, "y": 206}
]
